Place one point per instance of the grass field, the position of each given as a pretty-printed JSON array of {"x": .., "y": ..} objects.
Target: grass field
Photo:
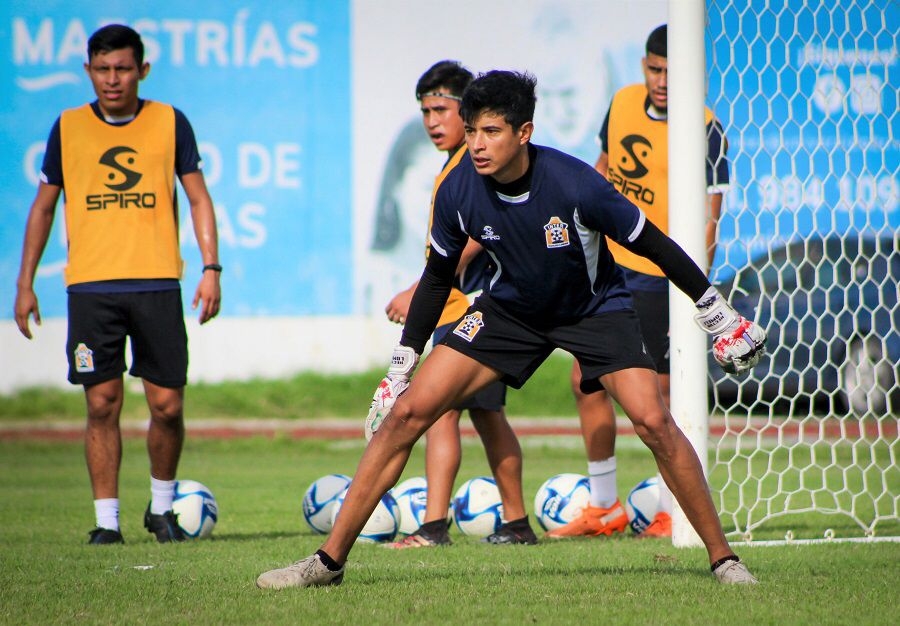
[
  {"x": 305, "y": 396},
  {"x": 48, "y": 575}
]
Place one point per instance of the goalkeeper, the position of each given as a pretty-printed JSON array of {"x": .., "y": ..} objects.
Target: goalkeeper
[{"x": 543, "y": 217}]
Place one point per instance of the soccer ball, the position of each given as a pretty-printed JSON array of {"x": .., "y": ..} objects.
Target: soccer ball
[
  {"x": 477, "y": 510},
  {"x": 411, "y": 496},
  {"x": 319, "y": 499},
  {"x": 382, "y": 524},
  {"x": 196, "y": 508},
  {"x": 642, "y": 504},
  {"x": 560, "y": 500}
]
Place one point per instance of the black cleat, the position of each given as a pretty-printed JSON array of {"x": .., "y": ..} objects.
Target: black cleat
[
  {"x": 508, "y": 535},
  {"x": 104, "y": 536},
  {"x": 164, "y": 526}
]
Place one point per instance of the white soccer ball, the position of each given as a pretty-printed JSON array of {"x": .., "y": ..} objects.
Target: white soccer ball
[
  {"x": 642, "y": 504},
  {"x": 560, "y": 499},
  {"x": 382, "y": 524},
  {"x": 319, "y": 499},
  {"x": 196, "y": 508},
  {"x": 477, "y": 510}
]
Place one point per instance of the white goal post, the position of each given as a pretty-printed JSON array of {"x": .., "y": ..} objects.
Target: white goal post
[{"x": 805, "y": 448}]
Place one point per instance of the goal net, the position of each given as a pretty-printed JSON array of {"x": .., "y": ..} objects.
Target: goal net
[{"x": 806, "y": 447}]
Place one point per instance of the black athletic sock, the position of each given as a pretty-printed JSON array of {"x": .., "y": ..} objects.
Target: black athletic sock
[
  {"x": 732, "y": 557},
  {"x": 436, "y": 527},
  {"x": 518, "y": 524},
  {"x": 329, "y": 562}
]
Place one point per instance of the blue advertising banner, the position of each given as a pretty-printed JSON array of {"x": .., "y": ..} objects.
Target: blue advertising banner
[
  {"x": 809, "y": 99},
  {"x": 266, "y": 87}
]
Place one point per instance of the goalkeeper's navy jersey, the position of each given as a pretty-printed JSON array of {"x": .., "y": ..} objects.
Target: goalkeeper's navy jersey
[{"x": 553, "y": 264}]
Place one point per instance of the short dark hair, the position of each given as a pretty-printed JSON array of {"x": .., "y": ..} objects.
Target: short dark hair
[
  {"x": 510, "y": 94},
  {"x": 116, "y": 37},
  {"x": 657, "y": 42},
  {"x": 450, "y": 75}
]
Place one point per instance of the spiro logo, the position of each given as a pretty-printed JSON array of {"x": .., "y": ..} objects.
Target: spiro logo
[
  {"x": 131, "y": 177},
  {"x": 634, "y": 144},
  {"x": 469, "y": 326},
  {"x": 122, "y": 178},
  {"x": 624, "y": 178}
]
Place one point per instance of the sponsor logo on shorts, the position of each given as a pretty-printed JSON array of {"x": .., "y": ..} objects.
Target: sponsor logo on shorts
[
  {"x": 556, "y": 232},
  {"x": 84, "y": 358},
  {"x": 469, "y": 326}
]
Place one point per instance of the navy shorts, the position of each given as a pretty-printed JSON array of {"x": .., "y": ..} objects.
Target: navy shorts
[
  {"x": 491, "y": 398},
  {"x": 602, "y": 344},
  {"x": 99, "y": 324}
]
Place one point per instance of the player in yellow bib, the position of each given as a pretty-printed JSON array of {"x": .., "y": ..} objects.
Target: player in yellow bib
[
  {"x": 439, "y": 91},
  {"x": 634, "y": 158},
  {"x": 117, "y": 159}
]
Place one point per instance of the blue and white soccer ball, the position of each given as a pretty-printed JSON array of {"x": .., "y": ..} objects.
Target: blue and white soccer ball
[
  {"x": 642, "y": 504},
  {"x": 382, "y": 524},
  {"x": 196, "y": 508},
  {"x": 411, "y": 496},
  {"x": 319, "y": 499},
  {"x": 560, "y": 499},
  {"x": 477, "y": 509}
]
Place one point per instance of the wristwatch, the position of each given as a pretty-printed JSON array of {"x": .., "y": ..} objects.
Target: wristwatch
[{"x": 213, "y": 266}]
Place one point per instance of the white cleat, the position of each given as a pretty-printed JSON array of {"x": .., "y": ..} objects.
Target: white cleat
[
  {"x": 734, "y": 573},
  {"x": 310, "y": 572}
]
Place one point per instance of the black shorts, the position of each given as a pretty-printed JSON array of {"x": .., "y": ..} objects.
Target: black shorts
[
  {"x": 491, "y": 398},
  {"x": 652, "y": 308},
  {"x": 99, "y": 324},
  {"x": 603, "y": 344}
]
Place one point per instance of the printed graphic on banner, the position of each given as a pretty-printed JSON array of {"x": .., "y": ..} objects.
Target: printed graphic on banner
[{"x": 266, "y": 88}]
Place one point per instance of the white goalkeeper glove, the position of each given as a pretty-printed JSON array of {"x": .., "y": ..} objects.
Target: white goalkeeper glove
[
  {"x": 403, "y": 362},
  {"x": 738, "y": 343}
]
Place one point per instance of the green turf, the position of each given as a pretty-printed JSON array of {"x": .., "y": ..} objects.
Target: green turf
[
  {"x": 49, "y": 576},
  {"x": 304, "y": 396}
]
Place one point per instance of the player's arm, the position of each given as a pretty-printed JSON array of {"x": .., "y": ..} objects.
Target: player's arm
[
  {"x": 397, "y": 310},
  {"x": 428, "y": 300},
  {"x": 424, "y": 312},
  {"x": 37, "y": 232},
  {"x": 203, "y": 216},
  {"x": 602, "y": 164},
  {"x": 739, "y": 343},
  {"x": 472, "y": 250}
]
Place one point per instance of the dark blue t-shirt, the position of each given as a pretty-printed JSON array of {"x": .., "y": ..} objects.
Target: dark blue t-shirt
[{"x": 552, "y": 262}]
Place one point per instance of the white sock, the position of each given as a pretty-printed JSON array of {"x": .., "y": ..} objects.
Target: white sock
[
  {"x": 106, "y": 510},
  {"x": 163, "y": 493},
  {"x": 603, "y": 482},
  {"x": 665, "y": 496}
]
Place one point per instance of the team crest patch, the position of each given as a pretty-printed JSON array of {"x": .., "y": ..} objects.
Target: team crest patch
[
  {"x": 84, "y": 358},
  {"x": 556, "y": 233},
  {"x": 469, "y": 326}
]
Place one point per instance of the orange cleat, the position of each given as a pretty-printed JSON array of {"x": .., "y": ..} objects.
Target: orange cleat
[
  {"x": 593, "y": 522},
  {"x": 661, "y": 526}
]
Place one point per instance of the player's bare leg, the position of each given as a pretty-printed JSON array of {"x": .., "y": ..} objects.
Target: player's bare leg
[
  {"x": 442, "y": 458},
  {"x": 504, "y": 455},
  {"x": 637, "y": 392},
  {"x": 165, "y": 437},
  {"x": 103, "y": 439},
  {"x": 604, "y": 514},
  {"x": 597, "y": 418},
  {"x": 444, "y": 378}
]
